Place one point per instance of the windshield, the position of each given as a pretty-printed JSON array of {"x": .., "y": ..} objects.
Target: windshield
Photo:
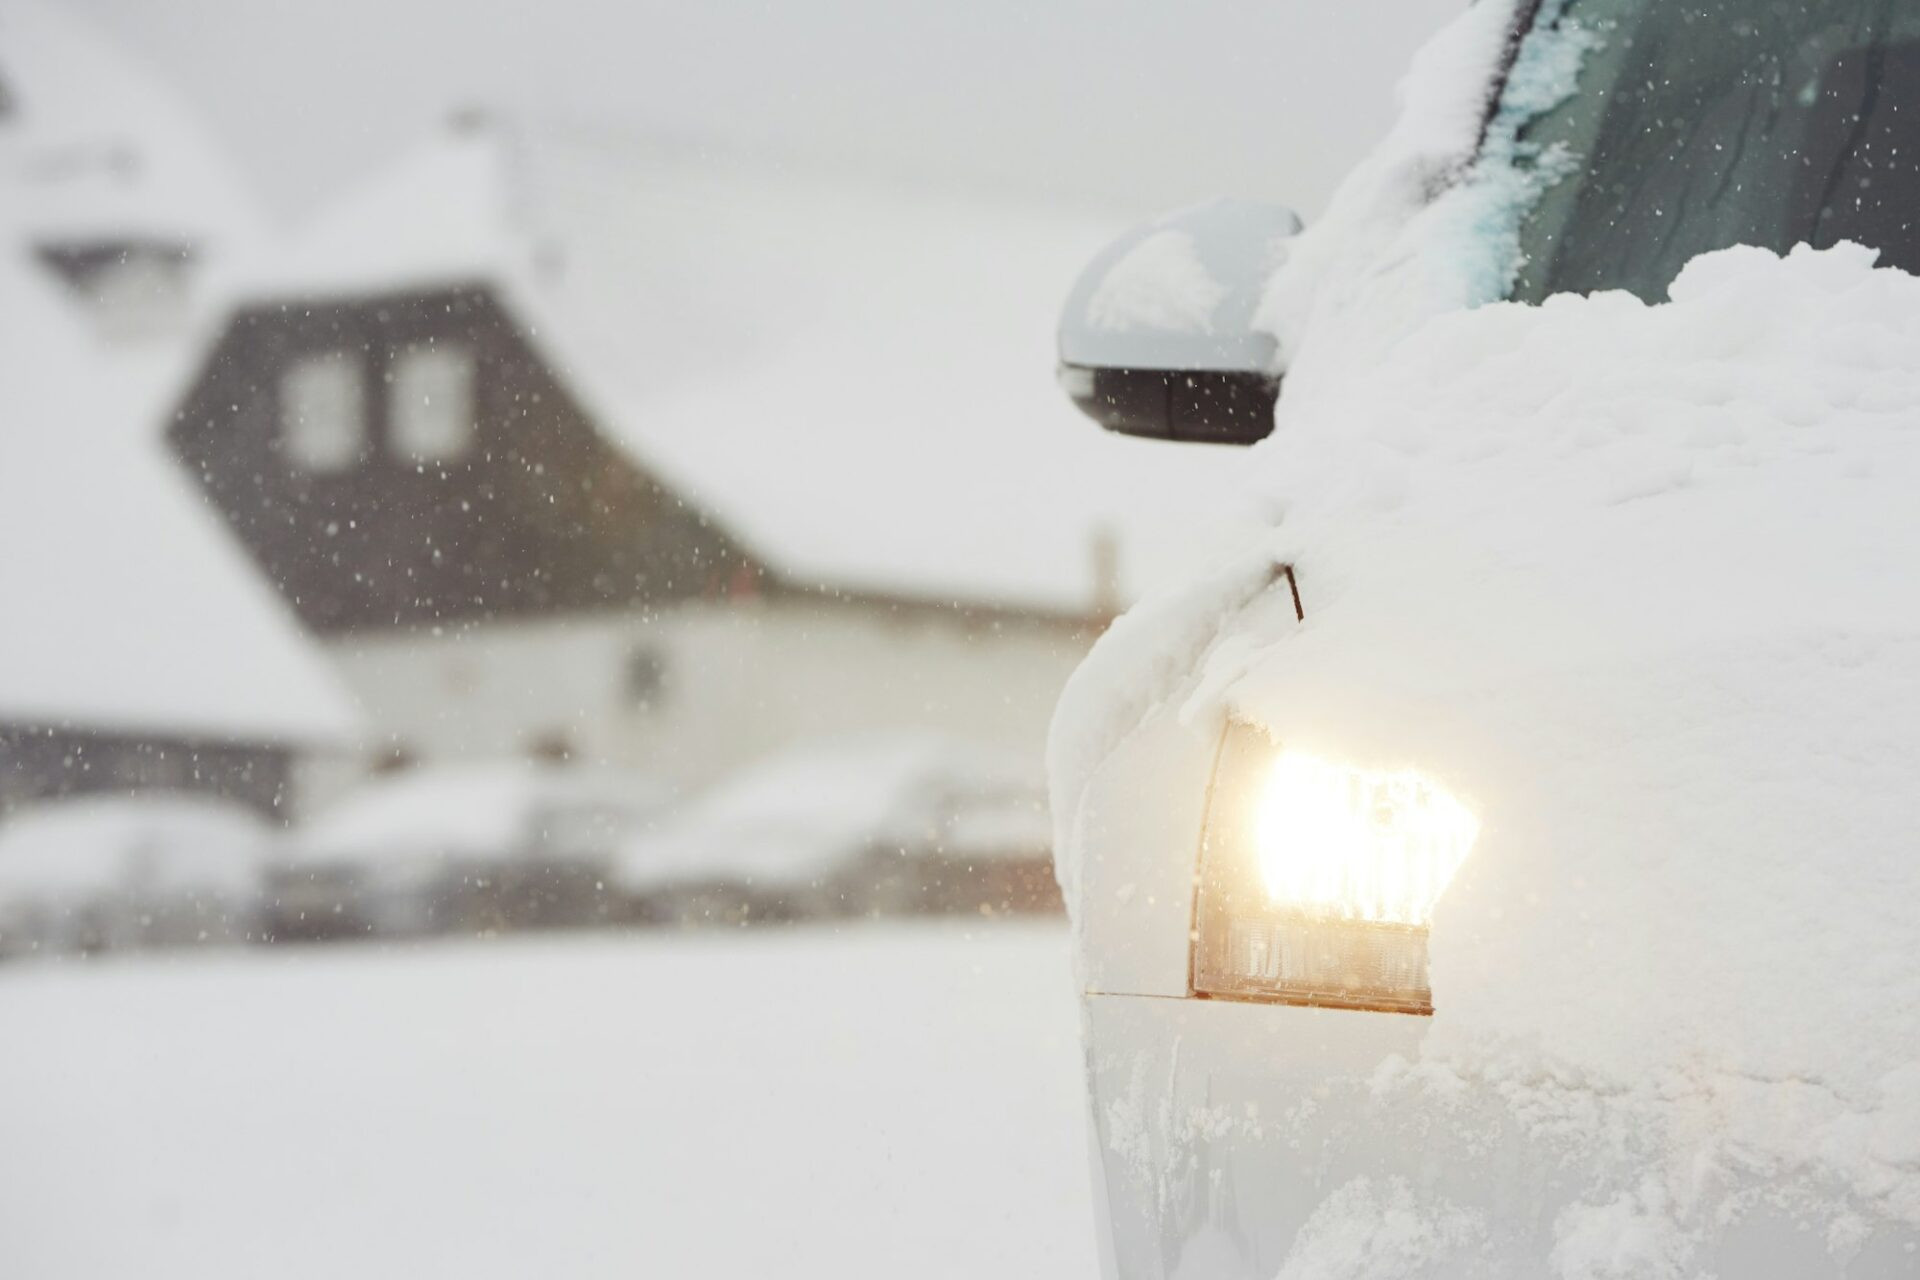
[{"x": 1701, "y": 124}]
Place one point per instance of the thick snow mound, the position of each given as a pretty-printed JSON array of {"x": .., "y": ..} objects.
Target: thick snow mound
[
  {"x": 1160, "y": 284},
  {"x": 1635, "y": 580},
  {"x": 1369, "y": 1231},
  {"x": 1745, "y": 332},
  {"x": 1757, "y": 430}
]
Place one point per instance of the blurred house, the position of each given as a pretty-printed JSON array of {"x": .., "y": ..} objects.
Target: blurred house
[
  {"x": 571, "y": 446},
  {"x": 141, "y": 650},
  {"x": 549, "y": 442}
]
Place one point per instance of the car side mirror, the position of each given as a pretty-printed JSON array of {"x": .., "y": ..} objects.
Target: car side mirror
[{"x": 1158, "y": 339}]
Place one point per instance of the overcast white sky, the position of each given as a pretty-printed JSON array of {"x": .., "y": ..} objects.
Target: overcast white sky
[{"x": 1129, "y": 104}]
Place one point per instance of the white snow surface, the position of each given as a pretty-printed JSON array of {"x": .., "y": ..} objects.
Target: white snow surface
[
  {"x": 95, "y": 146},
  {"x": 443, "y": 214},
  {"x": 799, "y": 816},
  {"x": 1159, "y": 284},
  {"x": 130, "y": 607},
  {"x": 1368, "y": 1230},
  {"x": 853, "y": 378},
  {"x": 68, "y": 851},
  {"x": 879, "y": 1103}
]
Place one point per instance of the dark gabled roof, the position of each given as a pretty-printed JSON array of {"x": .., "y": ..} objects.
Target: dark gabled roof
[
  {"x": 854, "y": 378},
  {"x": 542, "y": 515}
]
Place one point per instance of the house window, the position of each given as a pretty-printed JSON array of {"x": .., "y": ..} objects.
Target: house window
[
  {"x": 323, "y": 411},
  {"x": 430, "y": 414}
]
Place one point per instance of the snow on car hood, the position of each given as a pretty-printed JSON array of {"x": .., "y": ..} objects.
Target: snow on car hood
[{"x": 1635, "y": 581}]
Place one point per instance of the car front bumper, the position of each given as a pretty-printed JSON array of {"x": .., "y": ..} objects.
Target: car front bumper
[{"x": 1243, "y": 1140}]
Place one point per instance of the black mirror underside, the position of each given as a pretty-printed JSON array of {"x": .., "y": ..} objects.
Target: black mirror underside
[{"x": 1201, "y": 406}]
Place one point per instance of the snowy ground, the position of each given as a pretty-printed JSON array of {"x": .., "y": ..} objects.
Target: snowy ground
[{"x": 879, "y": 1102}]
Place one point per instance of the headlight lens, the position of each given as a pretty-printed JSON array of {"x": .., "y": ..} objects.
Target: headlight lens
[{"x": 1318, "y": 880}]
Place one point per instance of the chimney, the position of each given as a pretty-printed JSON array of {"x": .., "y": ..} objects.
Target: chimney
[{"x": 1104, "y": 557}]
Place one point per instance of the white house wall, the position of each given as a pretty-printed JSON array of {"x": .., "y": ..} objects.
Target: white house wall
[{"x": 736, "y": 680}]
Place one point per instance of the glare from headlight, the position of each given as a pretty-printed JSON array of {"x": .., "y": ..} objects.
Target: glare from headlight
[
  {"x": 1317, "y": 880},
  {"x": 1358, "y": 844}
]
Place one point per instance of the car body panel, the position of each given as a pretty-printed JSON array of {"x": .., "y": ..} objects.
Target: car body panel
[
  {"x": 1244, "y": 1142},
  {"x": 1136, "y": 905}
]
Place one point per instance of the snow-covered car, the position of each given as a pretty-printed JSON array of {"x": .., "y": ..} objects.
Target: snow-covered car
[
  {"x": 884, "y": 824},
  {"x": 98, "y": 873},
  {"x": 460, "y": 848},
  {"x": 1508, "y": 866}
]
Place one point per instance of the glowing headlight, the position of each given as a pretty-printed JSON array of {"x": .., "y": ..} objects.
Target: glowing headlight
[{"x": 1318, "y": 881}]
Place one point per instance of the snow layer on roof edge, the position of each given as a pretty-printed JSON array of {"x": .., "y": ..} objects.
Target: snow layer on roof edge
[
  {"x": 97, "y": 146},
  {"x": 146, "y": 615},
  {"x": 440, "y": 214}
]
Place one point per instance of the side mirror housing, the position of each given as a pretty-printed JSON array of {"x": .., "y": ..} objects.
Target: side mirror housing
[{"x": 1157, "y": 337}]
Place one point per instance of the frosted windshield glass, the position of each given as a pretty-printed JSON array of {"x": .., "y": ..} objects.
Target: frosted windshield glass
[{"x": 1702, "y": 125}]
